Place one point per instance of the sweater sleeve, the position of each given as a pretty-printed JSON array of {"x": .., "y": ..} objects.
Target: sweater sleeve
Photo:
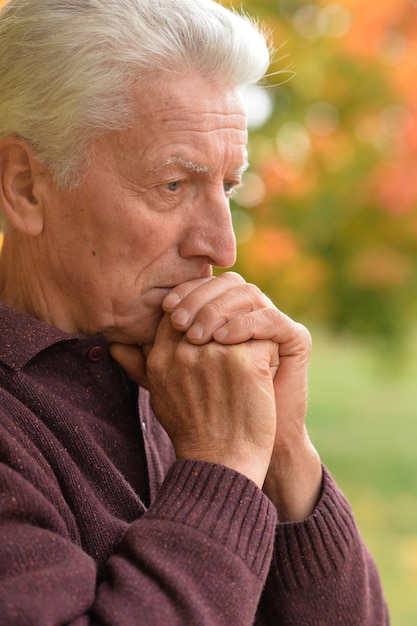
[
  {"x": 321, "y": 572},
  {"x": 200, "y": 555}
]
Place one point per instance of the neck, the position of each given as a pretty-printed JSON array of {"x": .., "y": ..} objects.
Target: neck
[{"x": 26, "y": 279}]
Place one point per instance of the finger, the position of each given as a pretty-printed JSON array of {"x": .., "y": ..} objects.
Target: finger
[
  {"x": 241, "y": 301},
  {"x": 178, "y": 293},
  {"x": 186, "y": 300},
  {"x": 210, "y": 307},
  {"x": 267, "y": 323},
  {"x": 132, "y": 360}
]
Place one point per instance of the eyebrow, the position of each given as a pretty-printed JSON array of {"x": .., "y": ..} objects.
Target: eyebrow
[{"x": 192, "y": 166}]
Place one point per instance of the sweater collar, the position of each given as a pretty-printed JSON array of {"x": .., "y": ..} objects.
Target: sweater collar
[{"x": 23, "y": 337}]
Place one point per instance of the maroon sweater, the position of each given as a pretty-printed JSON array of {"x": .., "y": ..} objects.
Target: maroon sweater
[{"x": 99, "y": 524}]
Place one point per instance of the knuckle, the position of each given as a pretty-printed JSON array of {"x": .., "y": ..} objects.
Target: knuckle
[
  {"x": 258, "y": 293},
  {"x": 270, "y": 314},
  {"x": 214, "y": 312},
  {"x": 216, "y": 308},
  {"x": 235, "y": 354},
  {"x": 247, "y": 321},
  {"x": 236, "y": 360},
  {"x": 304, "y": 336},
  {"x": 233, "y": 277}
]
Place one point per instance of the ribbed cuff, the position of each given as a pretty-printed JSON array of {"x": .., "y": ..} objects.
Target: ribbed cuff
[
  {"x": 308, "y": 550},
  {"x": 224, "y": 505}
]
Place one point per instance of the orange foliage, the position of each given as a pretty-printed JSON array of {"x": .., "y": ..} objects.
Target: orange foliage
[
  {"x": 270, "y": 248},
  {"x": 371, "y": 25},
  {"x": 395, "y": 186},
  {"x": 287, "y": 179}
]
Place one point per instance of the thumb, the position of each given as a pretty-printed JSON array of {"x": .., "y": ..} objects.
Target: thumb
[{"x": 132, "y": 360}]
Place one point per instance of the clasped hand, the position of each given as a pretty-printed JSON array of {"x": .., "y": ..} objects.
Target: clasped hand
[{"x": 227, "y": 373}]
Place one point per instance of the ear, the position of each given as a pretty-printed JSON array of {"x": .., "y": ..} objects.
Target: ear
[{"x": 21, "y": 177}]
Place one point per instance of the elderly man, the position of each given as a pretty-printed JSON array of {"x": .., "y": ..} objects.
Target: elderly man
[{"x": 122, "y": 136}]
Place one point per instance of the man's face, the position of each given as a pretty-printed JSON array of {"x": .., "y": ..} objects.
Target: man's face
[{"x": 152, "y": 210}]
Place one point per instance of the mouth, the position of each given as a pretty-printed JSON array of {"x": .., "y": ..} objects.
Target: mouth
[{"x": 163, "y": 290}]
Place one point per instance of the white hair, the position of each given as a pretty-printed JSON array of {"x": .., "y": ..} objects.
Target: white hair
[{"x": 66, "y": 66}]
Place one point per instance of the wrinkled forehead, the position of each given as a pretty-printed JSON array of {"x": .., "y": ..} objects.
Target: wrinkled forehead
[
  {"x": 171, "y": 94},
  {"x": 184, "y": 121}
]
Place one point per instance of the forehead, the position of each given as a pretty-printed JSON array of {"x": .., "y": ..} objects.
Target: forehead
[
  {"x": 186, "y": 121},
  {"x": 171, "y": 96}
]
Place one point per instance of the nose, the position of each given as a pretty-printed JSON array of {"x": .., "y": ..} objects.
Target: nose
[{"x": 211, "y": 233}]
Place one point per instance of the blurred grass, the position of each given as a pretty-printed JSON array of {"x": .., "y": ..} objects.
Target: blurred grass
[{"x": 363, "y": 420}]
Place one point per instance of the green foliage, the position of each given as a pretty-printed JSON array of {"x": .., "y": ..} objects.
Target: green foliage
[{"x": 362, "y": 419}]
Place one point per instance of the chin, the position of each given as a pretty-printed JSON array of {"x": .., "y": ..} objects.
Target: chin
[{"x": 134, "y": 334}]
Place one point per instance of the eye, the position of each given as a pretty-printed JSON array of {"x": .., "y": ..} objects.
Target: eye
[
  {"x": 229, "y": 187},
  {"x": 173, "y": 186}
]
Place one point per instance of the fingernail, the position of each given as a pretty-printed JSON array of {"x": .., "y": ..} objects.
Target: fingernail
[
  {"x": 196, "y": 331},
  {"x": 181, "y": 316},
  {"x": 171, "y": 301},
  {"x": 220, "y": 334}
]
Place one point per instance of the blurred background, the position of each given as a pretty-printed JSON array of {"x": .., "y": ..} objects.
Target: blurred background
[{"x": 327, "y": 225}]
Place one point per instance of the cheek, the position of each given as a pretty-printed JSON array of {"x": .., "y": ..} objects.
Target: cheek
[
  {"x": 150, "y": 238},
  {"x": 135, "y": 255}
]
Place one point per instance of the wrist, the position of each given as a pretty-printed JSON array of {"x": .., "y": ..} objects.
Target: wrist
[
  {"x": 294, "y": 481},
  {"x": 252, "y": 466}
]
